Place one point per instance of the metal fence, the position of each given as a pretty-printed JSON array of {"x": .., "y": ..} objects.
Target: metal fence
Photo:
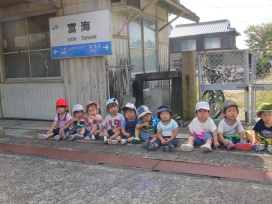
[
  {"x": 261, "y": 80},
  {"x": 242, "y": 75},
  {"x": 224, "y": 75}
]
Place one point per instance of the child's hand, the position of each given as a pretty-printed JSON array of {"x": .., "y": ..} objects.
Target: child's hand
[
  {"x": 49, "y": 131},
  {"x": 216, "y": 144},
  {"x": 127, "y": 134},
  {"x": 146, "y": 124}
]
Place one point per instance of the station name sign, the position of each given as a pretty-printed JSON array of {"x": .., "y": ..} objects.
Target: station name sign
[{"x": 81, "y": 35}]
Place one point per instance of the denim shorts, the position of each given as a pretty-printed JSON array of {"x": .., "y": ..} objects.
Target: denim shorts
[
  {"x": 174, "y": 142},
  {"x": 145, "y": 135},
  {"x": 199, "y": 141}
]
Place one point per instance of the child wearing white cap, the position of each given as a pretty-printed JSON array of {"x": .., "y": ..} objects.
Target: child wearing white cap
[
  {"x": 128, "y": 125},
  {"x": 202, "y": 130}
]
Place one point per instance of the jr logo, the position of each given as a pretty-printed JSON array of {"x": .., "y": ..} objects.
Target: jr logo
[{"x": 55, "y": 27}]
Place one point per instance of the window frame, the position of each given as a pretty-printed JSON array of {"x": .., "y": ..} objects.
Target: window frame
[
  {"x": 29, "y": 51},
  {"x": 188, "y": 43},
  {"x": 145, "y": 49},
  {"x": 212, "y": 41}
]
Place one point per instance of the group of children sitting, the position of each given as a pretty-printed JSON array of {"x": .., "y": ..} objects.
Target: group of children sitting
[{"x": 139, "y": 126}]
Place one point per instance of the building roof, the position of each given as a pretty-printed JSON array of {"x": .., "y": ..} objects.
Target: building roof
[{"x": 218, "y": 26}]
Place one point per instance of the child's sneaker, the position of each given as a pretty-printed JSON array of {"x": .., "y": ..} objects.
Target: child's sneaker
[
  {"x": 243, "y": 146},
  {"x": 57, "y": 137},
  {"x": 150, "y": 146},
  {"x": 269, "y": 148},
  {"x": 88, "y": 136},
  {"x": 230, "y": 145},
  {"x": 136, "y": 140},
  {"x": 79, "y": 135},
  {"x": 145, "y": 144},
  {"x": 42, "y": 136},
  {"x": 105, "y": 139},
  {"x": 257, "y": 146},
  {"x": 62, "y": 134},
  {"x": 168, "y": 148},
  {"x": 123, "y": 141},
  {"x": 206, "y": 148},
  {"x": 112, "y": 141},
  {"x": 71, "y": 137},
  {"x": 187, "y": 147}
]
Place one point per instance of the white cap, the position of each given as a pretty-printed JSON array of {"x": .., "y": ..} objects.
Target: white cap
[
  {"x": 130, "y": 106},
  {"x": 77, "y": 107},
  {"x": 202, "y": 105}
]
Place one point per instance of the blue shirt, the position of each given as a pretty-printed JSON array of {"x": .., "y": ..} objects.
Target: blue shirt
[{"x": 152, "y": 128}]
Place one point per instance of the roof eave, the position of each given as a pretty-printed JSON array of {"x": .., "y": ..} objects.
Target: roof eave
[{"x": 178, "y": 10}]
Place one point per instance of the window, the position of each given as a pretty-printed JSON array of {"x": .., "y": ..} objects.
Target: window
[
  {"x": 211, "y": 43},
  {"x": 188, "y": 45},
  {"x": 142, "y": 41},
  {"x": 27, "y": 48}
]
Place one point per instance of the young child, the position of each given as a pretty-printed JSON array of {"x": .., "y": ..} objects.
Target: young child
[
  {"x": 128, "y": 125},
  {"x": 202, "y": 130},
  {"x": 112, "y": 122},
  {"x": 78, "y": 122},
  {"x": 94, "y": 120},
  {"x": 262, "y": 130},
  {"x": 167, "y": 130},
  {"x": 61, "y": 120},
  {"x": 230, "y": 130},
  {"x": 146, "y": 127}
]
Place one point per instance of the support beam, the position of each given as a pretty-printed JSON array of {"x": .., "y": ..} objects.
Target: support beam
[
  {"x": 171, "y": 21},
  {"x": 51, "y": 3}
]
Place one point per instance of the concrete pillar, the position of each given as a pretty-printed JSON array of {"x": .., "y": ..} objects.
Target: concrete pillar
[{"x": 189, "y": 84}]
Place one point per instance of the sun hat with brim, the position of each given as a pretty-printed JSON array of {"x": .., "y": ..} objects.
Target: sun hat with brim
[
  {"x": 264, "y": 107},
  {"x": 142, "y": 110},
  {"x": 228, "y": 103},
  {"x": 164, "y": 108},
  {"x": 129, "y": 106},
  {"x": 112, "y": 100},
  {"x": 202, "y": 105}
]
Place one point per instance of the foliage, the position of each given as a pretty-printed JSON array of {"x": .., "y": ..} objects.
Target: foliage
[{"x": 259, "y": 36}]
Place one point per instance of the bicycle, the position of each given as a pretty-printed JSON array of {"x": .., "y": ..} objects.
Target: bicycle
[{"x": 215, "y": 98}]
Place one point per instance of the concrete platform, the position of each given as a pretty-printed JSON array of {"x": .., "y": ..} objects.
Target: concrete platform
[{"x": 245, "y": 165}]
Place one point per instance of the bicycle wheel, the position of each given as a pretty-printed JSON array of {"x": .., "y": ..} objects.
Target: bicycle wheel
[{"x": 215, "y": 100}]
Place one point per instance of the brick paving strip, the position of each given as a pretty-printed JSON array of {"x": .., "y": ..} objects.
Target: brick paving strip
[{"x": 152, "y": 164}]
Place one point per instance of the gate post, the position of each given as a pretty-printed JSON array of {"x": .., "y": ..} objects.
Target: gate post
[{"x": 188, "y": 84}]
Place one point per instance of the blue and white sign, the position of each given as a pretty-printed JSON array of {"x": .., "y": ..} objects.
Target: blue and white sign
[{"x": 81, "y": 35}]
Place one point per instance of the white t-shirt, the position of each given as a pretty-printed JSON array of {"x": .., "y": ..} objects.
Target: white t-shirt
[
  {"x": 167, "y": 129},
  {"x": 230, "y": 129},
  {"x": 113, "y": 122},
  {"x": 199, "y": 129}
]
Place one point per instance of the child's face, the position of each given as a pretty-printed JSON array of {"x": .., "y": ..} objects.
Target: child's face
[
  {"x": 202, "y": 114},
  {"x": 146, "y": 118},
  {"x": 113, "y": 110},
  {"x": 61, "y": 109},
  {"x": 92, "y": 111},
  {"x": 129, "y": 114},
  {"x": 266, "y": 116},
  {"x": 78, "y": 114},
  {"x": 165, "y": 116},
  {"x": 231, "y": 113}
]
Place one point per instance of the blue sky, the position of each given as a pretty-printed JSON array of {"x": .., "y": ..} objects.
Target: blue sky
[{"x": 241, "y": 13}]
